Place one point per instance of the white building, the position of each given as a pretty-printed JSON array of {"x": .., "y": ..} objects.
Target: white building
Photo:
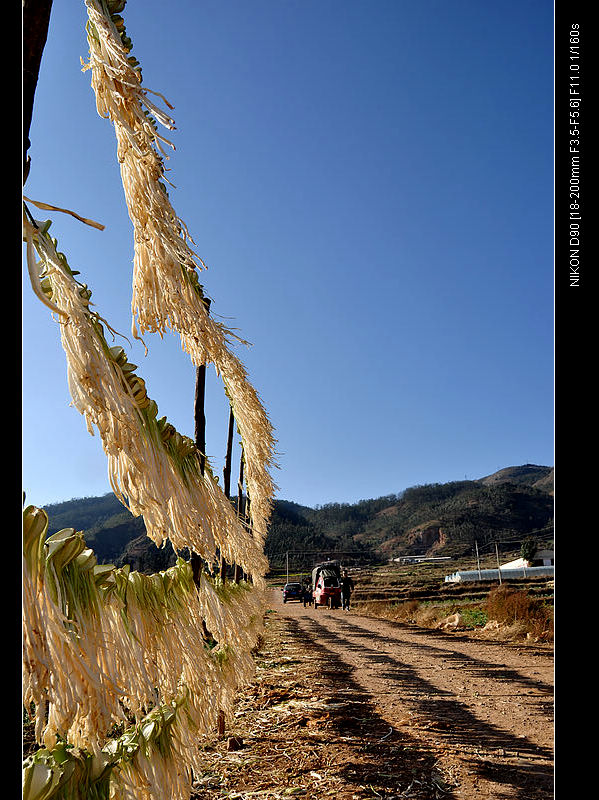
[{"x": 543, "y": 558}]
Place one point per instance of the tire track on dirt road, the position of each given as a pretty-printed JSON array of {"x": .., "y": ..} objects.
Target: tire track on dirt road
[{"x": 484, "y": 708}]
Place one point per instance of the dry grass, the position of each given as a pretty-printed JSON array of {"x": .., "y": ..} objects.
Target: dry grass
[
  {"x": 520, "y": 613},
  {"x": 410, "y": 611},
  {"x": 512, "y": 614}
]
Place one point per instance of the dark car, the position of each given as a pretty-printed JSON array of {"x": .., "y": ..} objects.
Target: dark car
[{"x": 293, "y": 591}]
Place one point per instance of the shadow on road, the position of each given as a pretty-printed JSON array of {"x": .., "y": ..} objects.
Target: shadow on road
[
  {"x": 474, "y": 666},
  {"x": 386, "y": 758},
  {"x": 445, "y": 718}
]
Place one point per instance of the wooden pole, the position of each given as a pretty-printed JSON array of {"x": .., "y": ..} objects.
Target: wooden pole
[
  {"x": 227, "y": 477},
  {"x": 227, "y": 467},
  {"x": 240, "y": 503},
  {"x": 200, "y": 441},
  {"x": 247, "y": 519},
  {"x": 240, "y": 500},
  {"x": 199, "y": 416},
  {"x": 199, "y": 413}
]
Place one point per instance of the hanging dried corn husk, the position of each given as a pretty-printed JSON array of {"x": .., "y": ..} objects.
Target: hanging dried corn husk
[
  {"x": 153, "y": 470},
  {"x": 63, "y": 666},
  {"x": 104, "y": 646},
  {"x": 91, "y": 629},
  {"x": 166, "y": 291},
  {"x": 101, "y": 644}
]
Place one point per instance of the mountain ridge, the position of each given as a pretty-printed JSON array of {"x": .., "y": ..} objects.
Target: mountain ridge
[{"x": 510, "y": 504}]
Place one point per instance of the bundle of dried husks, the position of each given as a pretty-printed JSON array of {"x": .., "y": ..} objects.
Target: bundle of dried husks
[
  {"x": 104, "y": 646},
  {"x": 153, "y": 470},
  {"x": 166, "y": 291}
]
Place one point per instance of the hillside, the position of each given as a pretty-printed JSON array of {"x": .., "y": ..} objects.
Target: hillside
[
  {"x": 525, "y": 475},
  {"x": 432, "y": 519}
]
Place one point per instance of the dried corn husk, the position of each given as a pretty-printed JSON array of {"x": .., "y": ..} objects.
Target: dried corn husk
[
  {"x": 102, "y": 641},
  {"x": 131, "y": 666},
  {"x": 101, "y": 644},
  {"x": 149, "y": 475},
  {"x": 62, "y": 658},
  {"x": 166, "y": 292}
]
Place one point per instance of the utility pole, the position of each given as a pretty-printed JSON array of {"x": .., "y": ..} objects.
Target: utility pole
[
  {"x": 498, "y": 565},
  {"x": 287, "y": 560},
  {"x": 477, "y": 560}
]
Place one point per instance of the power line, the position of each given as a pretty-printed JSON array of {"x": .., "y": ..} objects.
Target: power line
[
  {"x": 541, "y": 539},
  {"x": 323, "y": 550}
]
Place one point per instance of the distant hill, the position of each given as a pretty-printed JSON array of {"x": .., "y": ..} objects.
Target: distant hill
[
  {"x": 432, "y": 519},
  {"x": 526, "y": 475}
]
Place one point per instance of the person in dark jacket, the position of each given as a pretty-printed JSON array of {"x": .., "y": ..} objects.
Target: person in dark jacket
[
  {"x": 307, "y": 595},
  {"x": 347, "y": 586}
]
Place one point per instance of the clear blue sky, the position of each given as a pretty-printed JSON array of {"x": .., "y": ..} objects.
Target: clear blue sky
[{"x": 371, "y": 186}]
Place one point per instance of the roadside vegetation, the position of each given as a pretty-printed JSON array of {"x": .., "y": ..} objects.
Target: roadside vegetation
[{"x": 507, "y": 613}]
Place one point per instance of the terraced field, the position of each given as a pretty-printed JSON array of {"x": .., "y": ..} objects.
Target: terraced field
[{"x": 397, "y": 585}]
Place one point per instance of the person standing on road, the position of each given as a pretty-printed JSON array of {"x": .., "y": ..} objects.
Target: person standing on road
[
  {"x": 347, "y": 586},
  {"x": 307, "y": 594}
]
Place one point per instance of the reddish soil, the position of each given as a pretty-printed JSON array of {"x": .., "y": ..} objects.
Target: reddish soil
[{"x": 354, "y": 707}]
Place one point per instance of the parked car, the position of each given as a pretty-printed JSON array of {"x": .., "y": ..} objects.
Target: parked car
[{"x": 293, "y": 591}]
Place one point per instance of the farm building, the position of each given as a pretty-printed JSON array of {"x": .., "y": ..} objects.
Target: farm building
[
  {"x": 543, "y": 558},
  {"x": 419, "y": 559},
  {"x": 522, "y": 571}
]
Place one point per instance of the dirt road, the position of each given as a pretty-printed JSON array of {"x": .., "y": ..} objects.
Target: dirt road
[
  {"x": 484, "y": 708},
  {"x": 356, "y": 707}
]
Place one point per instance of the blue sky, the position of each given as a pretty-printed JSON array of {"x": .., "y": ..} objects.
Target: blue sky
[{"x": 371, "y": 187}]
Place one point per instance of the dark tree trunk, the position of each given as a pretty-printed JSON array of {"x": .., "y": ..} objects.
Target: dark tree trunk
[{"x": 36, "y": 20}]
